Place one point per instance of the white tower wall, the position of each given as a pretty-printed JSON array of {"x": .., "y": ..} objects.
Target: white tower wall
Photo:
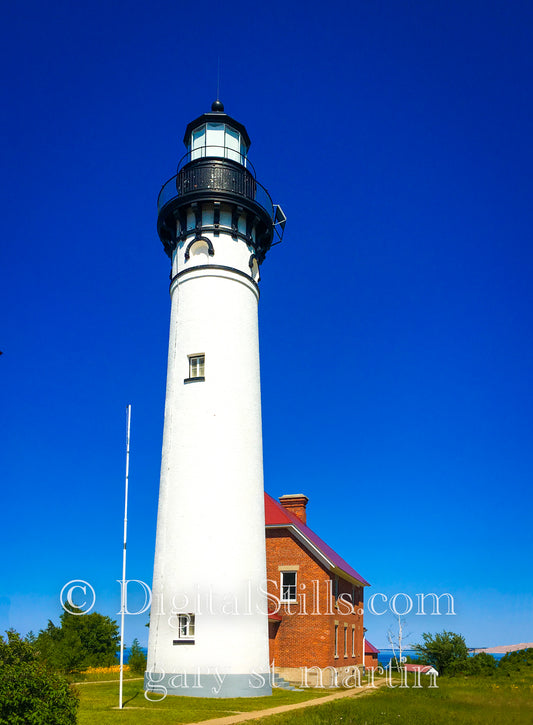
[{"x": 210, "y": 545}]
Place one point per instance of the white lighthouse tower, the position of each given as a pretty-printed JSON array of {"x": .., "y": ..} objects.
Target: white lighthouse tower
[{"x": 208, "y": 624}]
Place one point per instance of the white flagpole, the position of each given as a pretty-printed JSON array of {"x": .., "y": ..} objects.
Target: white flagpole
[{"x": 123, "y": 592}]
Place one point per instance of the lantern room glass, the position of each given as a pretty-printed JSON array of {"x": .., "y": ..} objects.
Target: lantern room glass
[{"x": 219, "y": 140}]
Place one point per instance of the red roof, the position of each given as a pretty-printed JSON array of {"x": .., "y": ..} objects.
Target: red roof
[
  {"x": 370, "y": 649},
  {"x": 276, "y": 515},
  {"x": 417, "y": 668}
]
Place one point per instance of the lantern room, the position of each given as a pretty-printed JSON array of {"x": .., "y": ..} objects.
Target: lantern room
[
  {"x": 216, "y": 134},
  {"x": 215, "y": 181}
]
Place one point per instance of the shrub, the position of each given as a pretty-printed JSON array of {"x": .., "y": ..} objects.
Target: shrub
[
  {"x": 517, "y": 660},
  {"x": 29, "y": 692},
  {"x": 480, "y": 664}
]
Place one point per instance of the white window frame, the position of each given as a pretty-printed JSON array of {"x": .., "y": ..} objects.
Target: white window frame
[
  {"x": 293, "y": 588},
  {"x": 336, "y": 655},
  {"x": 186, "y": 625},
  {"x": 196, "y": 365}
]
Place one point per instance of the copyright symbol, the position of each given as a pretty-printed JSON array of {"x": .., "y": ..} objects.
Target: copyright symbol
[{"x": 67, "y": 602}]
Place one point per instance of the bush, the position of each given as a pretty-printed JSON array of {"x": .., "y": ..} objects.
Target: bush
[
  {"x": 517, "y": 660},
  {"x": 137, "y": 658},
  {"x": 29, "y": 692},
  {"x": 480, "y": 664},
  {"x": 444, "y": 651}
]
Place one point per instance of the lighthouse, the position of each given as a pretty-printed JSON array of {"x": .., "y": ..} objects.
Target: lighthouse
[{"x": 209, "y": 615}]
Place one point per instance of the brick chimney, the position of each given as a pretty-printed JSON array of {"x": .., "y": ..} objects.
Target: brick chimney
[{"x": 295, "y": 503}]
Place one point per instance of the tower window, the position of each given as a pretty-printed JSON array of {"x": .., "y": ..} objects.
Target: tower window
[
  {"x": 217, "y": 139},
  {"x": 196, "y": 368},
  {"x": 185, "y": 628},
  {"x": 288, "y": 586}
]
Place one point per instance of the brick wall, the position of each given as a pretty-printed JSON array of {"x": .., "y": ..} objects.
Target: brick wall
[
  {"x": 371, "y": 660},
  {"x": 305, "y": 636}
]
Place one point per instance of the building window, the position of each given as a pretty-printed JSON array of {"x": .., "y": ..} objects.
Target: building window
[
  {"x": 353, "y": 640},
  {"x": 346, "y": 640},
  {"x": 288, "y": 586},
  {"x": 196, "y": 367},
  {"x": 336, "y": 640},
  {"x": 185, "y": 628}
]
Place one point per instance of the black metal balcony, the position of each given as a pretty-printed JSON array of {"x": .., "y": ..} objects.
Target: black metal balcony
[
  {"x": 224, "y": 176},
  {"x": 216, "y": 175},
  {"x": 198, "y": 171}
]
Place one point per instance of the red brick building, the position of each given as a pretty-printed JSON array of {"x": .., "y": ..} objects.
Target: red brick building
[
  {"x": 371, "y": 655},
  {"x": 315, "y": 597}
]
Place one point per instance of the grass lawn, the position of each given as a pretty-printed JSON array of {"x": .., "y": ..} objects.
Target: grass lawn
[
  {"x": 472, "y": 700},
  {"x": 97, "y": 700}
]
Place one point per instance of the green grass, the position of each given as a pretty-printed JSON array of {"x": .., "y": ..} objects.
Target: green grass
[
  {"x": 97, "y": 700},
  {"x": 468, "y": 700},
  {"x": 474, "y": 700}
]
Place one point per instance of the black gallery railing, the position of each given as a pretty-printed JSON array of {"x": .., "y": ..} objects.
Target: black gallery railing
[{"x": 216, "y": 173}]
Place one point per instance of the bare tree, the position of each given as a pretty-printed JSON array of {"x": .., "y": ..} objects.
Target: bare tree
[{"x": 397, "y": 640}]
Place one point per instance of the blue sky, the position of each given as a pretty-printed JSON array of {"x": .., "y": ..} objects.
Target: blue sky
[{"x": 395, "y": 318}]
